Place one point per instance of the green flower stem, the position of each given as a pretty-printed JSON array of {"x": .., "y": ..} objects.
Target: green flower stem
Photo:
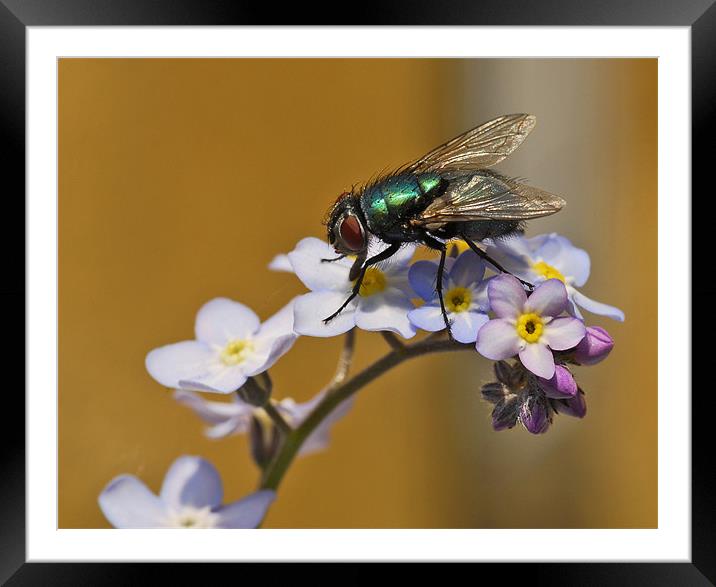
[
  {"x": 277, "y": 418},
  {"x": 292, "y": 442}
]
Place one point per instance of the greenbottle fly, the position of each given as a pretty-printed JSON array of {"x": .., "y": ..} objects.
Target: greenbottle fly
[{"x": 447, "y": 194}]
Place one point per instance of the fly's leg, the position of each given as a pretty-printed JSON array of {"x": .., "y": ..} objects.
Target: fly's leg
[
  {"x": 442, "y": 247},
  {"x": 338, "y": 258},
  {"x": 382, "y": 256},
  {"x": 494, "y": 263}
]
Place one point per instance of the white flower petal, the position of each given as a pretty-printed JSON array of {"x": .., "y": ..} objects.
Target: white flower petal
[
  {"x": 427, "y": 317},
  {"x": 126, "y": 502},
  {"x": 561, "y": 254},
  {"x": 316, "y": 275},
  {"x": 539, "y": 359},
  {"x": 247, "y": 512},
  {"x": 227, "y": 428},
  {"x": 563, "y": 333},
  {"x": 385, "y": 311},
  {"x": 192, "y": 481},
  {"x": 497, "y": 340},
  {"x": 222, "y": 320},
  {"x": 465, "y": 325},
  {"x": 310, "y": 310},
  {"x": 214, "y": 412},
  {"x": 597, "y": 307},
  {"x": 218, "y": 379},
  {"x": 182, "y": 360},
  {"x": 281, "y": 263},
  {"x": 268, "y": 351},
  {"x": 280, "y": 324}
]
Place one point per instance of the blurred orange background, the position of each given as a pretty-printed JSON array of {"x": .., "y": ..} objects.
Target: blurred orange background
[{"x": 180, "y": 179}]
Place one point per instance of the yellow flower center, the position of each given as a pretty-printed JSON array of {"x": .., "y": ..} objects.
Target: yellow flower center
[
  {"x": 458, "y": 299},
  {"x": 373, "y": 282},
  {"x": 529, "y": 327},
  {"x": 236, "y": 351},
  {"x": 547, "y": 271},
  {"x": 458, "y": 247}
]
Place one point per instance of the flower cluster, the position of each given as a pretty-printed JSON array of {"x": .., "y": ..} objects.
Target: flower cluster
[
  {"x": 542, "y": 331},
  {"x": 535, "y": 335}
]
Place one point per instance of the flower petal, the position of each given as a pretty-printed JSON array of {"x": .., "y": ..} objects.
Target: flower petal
[
  {"x": 467, "y": 269},
  {"x": 317, "y": 275},
  {"x": 310, "y": 310},
  {"x": 222, "y": 320},
  {"x": 219, "y": 378},
  {"x": 548, "y": 299},
  {"x": 247, "y": 512},
  {"x": 268, "y": 351},
  {"x": 498, "y": 339},
  {"x": 281, "y": 263},
  {"x": 563, "y": 333},
  {"x": 171, "y": 363},
  {"x": 385, "y": 311},
  {"x": 216, "y": 412},
  {"x": 280, "y": 324},
  {"x": 126, "y": 502},
  {"x": 561, "y": 386},
  {"x": 507, "y": 296},
  {"x": 597, "y": 307},
  {"x": 423, "y": 279},
  {"x": 537, "y": 358},
  {"x": 465, "y": 325},
  {"x": 227, "y": 428},
  {"x": 192, "y": 481},
  {"x": 427, "y": 317},
  {"x": 572, "y": 262}
]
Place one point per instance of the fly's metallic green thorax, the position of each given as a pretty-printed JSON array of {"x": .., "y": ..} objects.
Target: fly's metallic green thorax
[
  {"x": 387, "y": 204},
  {"x": 445, "y": 194}
]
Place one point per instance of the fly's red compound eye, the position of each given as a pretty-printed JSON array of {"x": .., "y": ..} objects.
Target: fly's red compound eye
[{"x": 351, "y": 233}]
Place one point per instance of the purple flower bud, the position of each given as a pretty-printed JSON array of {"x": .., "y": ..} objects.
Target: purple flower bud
[
  {"x": 594, "y": 347},
  {"x": 535, "y": 416},
  {"x": 494, "y": 392},
  {"x": 576, "y": 406},
  {"x": 505, "y": 413},
  {"x": 562, "y": 384}
]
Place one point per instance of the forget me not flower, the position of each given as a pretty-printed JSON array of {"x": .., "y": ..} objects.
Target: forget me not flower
[
  {"x": 235, "y": 417},
  {"x": 551, "y": 256},
  {"x": 528, "y": 327},
  {"x": 383, "y": 302},
  {"x": 464, "y": 294},
  {"x": 231, "y": 345},
  {"x": 190, "y": 497}
]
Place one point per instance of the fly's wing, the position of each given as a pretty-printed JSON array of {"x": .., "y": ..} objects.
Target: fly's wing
[
  {"x": 488, "y": 197},
  {"x": 478, "y": 148}
]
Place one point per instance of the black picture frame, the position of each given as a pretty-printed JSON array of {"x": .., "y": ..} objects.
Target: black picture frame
[{"x": 17, "y": 15}]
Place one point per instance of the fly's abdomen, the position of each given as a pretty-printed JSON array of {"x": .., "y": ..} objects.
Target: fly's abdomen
[{"x": 388, "y": 204}]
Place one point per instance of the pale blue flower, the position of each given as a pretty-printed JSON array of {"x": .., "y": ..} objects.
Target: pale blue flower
[
  {"x": 383, "y": 302},
  {"x": 529, "y": 327},
  {"x": 190, "y": 497},
  {"x": 464, "y": 295},
  {"x": 551, "y": 256},
  {"x": 231, "y": 345},
  {"x": 235, "y": 417}
]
